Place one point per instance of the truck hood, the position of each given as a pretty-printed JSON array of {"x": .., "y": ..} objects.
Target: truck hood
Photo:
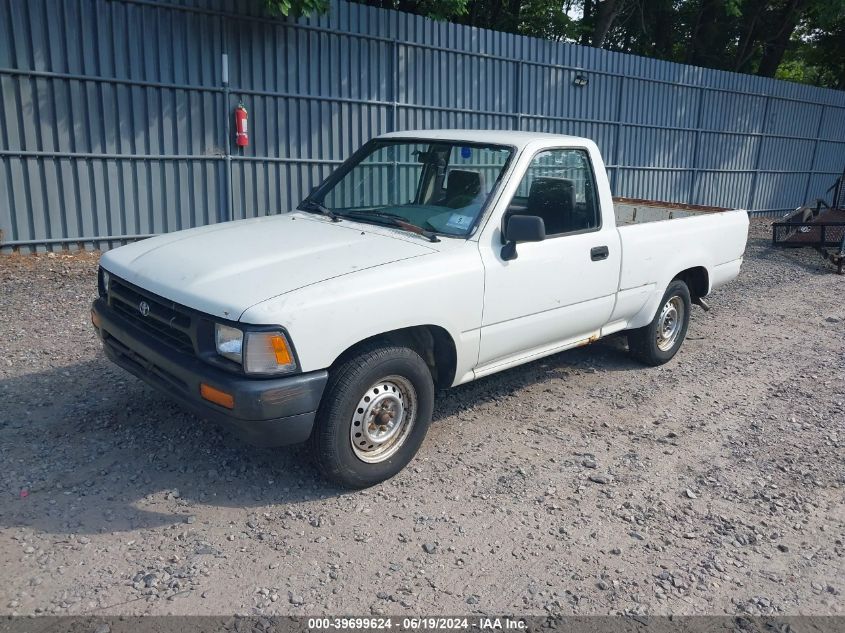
[{"x": 223, "y": 269}]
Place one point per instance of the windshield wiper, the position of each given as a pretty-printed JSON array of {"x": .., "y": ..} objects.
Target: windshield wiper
[
  {"x": 381, "y": 217},
  {"x": 312, "y": 206}
]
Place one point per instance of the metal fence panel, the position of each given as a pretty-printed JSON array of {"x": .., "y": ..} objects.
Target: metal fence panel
[
  {"x": 732, "y": 112},
  {"x": 113, "y": 117},
  {"x": 727, "y": 152},
  {"x": 829, "y": 158},
  {"x": 723, "y": 189},
  {"x": 777, "y": 190},
  {"x": 659, "y": 147},
  {"x": 666, "y": 185}
]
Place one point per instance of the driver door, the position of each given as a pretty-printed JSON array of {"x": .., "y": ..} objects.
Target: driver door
[{"x": 559, "y": 291}]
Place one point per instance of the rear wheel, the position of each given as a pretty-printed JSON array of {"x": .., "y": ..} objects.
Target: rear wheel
[
  {"x": 660, "y": 340},
  {"x": 373, "y": 417}
]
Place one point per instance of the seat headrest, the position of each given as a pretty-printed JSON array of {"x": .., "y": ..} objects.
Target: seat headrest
[
  {"x": 549, "y": 193},
  {"x": 462, "y": 182}
]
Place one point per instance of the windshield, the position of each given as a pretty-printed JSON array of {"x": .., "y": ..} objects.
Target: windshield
[{"x": 438, "y": 186}]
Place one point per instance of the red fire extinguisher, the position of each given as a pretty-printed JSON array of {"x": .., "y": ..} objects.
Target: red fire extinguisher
[{"x": 241, "y": 135}]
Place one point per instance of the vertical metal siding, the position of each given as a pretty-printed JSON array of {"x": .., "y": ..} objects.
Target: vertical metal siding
[{"x": 113, "y": 112}]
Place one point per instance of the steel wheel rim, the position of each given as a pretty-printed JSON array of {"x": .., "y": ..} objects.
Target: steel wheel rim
[
  {"x": 670, "y": 323},
  {"x": 383, "y": 419}
]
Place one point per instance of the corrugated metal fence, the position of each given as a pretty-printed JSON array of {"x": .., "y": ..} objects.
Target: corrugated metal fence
[{"x": 114, "y": 113}]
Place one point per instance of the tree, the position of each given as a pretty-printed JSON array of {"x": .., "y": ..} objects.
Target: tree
[
  {"x": 799, "y": 40},
  {"x": 713, "y": 28},
  {"x": 817, "y": 54},
  {"x": 751, "y": 20},
  {"x": 774, "y": 48},
  {"x": 547, "y": 21},
  {"x": 296, "y": 8},
  {"x": 606, "y": 12}
]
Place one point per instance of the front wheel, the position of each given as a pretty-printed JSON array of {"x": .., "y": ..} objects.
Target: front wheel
[
  {"x": 660, "y": 340},
  {"x": 373, "y": 417}
]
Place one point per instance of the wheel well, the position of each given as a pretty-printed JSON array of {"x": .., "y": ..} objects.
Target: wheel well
[
  {"x": 431, "y": 342},
  {"x": 696, "y": 279}
]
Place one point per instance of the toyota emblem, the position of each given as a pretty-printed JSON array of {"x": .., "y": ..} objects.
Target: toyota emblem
[{"x": 144, "y": 308}]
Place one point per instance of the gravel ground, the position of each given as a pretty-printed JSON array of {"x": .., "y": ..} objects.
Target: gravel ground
[{"x": 580, "y": 484}]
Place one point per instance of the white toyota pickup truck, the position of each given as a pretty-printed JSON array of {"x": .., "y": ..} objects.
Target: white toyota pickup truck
[{"x": 426, "y": 260}]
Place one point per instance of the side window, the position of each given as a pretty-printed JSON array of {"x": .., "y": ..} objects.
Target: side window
[{"x": 559, "y": 187}]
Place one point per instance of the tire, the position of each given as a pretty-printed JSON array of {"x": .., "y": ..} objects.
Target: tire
[
  {"x": 660, "y": 340},
  {"x": 373, "y": 417}
]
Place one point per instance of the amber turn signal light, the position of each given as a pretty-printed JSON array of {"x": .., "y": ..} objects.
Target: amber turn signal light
[
  {"x": 216, "y": 396},
  {"x": 280, "y": 350},
  {"x": 95, "y": 319},
  {"x": 268, "y": 353}
]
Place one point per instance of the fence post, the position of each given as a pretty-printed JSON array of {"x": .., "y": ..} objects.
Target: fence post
[
  {"x": 752, "y": 194},
  {"x": 394, "y": 97},
  {"x": 813, "y": 157},
  {"x": 614, "y": 179},
  {"x": 228, "y": 156},
  {"x": 695, "y": 144},
  {"x": 517, "y": 95}
]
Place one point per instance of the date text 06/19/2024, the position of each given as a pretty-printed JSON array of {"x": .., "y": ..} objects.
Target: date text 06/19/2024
[{"x": 423, "y": 623}]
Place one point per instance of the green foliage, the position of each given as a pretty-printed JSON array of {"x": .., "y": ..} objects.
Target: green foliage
[
  {"x": 733, "y": 8},
  {"x": 443, "y": 9},
  {"x": 817, "y": 54},
  {"x": 546, "y": 20},
  {"x": 795, "y": 70},
  {"x": 795, "y": 40},
  {"x": 296, "y": 8}
]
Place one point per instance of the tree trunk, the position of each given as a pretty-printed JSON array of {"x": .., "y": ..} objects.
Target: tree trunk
[
  {"x": 489, "y": 17},
  {"x": 514, "y": 7},
  {"x": 752, "y": 11},
  {"x": 606, "y": 12},
  {"x": 775, "y": 48},
  {"x": 664, "y": 32},
  {"x": 702, "y": 40},
  {"x": 586, "y": 19},
  {"x": 471, "y": 17}
]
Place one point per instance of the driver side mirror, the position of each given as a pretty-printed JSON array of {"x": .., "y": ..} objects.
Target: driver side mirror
[{"x": 522, "y": 228}]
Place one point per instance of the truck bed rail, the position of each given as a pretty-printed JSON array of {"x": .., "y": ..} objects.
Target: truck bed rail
[{"x": 631, "y": 211}]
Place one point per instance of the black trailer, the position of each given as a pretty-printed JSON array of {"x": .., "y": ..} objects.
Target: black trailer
[{"x": 822, "y": 227}]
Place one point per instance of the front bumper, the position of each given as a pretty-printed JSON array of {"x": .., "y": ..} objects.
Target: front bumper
[{"x": 266, "y": 412}]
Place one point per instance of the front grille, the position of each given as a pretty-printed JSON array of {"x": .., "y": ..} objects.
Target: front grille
[{"x": 166, "y": 321}]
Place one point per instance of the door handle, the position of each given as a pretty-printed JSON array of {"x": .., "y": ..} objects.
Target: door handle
[{"x": 598, "y": 253}]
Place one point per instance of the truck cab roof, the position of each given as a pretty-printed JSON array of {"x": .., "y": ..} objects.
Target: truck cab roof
[{"x": 513, "y": 138}]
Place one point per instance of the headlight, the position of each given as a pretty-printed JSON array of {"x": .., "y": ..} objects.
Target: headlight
[
  {"x": 229, "y": 341},
  {"x": 258, "y": 352},
  {"x": 103, "y": 282},
  {"x": 268, "y": 353}
]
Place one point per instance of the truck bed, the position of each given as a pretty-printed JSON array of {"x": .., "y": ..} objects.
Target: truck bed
[
  {"x": 711, "y": 238},
  {"x": 630, "y": 211}
]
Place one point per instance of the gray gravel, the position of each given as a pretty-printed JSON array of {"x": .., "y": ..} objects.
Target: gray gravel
[{"x": 580, "y": 484}]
